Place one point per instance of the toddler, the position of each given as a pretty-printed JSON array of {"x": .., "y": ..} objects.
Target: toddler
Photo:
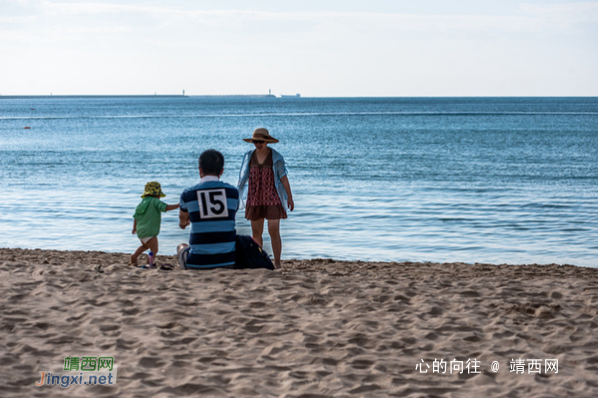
[{"x": 147, "y": 220}]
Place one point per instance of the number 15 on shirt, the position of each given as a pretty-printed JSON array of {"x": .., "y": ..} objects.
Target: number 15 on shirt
[{"x": 212, "y": 203}]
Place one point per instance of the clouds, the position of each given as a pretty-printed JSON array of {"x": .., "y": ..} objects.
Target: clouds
[
  {"x": 520, "y": 17},
  {"x": 211, "y": 48},
  {"x": 573, "y": 13},
  {"x": 527, "y": 14}
]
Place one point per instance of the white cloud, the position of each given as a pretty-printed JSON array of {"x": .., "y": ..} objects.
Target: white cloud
[
  {"x": 566, "y": 16},
  {"x": 581, "y": 12}
]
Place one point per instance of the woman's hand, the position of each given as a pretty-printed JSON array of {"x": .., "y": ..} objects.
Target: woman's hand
[{"x": 287, "y": 187}]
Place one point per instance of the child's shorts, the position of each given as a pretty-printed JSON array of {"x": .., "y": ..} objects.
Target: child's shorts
[{"x": 145, "y": 240}]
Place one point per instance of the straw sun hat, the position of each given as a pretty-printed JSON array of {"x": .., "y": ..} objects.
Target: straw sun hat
[{"x": 261, "y": 134}]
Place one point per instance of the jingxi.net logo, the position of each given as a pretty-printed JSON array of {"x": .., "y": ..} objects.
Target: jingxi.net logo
[{"x": 87, "y": 370}]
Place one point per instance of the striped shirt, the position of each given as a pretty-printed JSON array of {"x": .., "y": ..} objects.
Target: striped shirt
[{"x": 212, "y": 206}]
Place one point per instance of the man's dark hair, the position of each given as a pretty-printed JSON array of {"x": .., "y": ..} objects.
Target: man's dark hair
[{"x": 211, "y": 162}]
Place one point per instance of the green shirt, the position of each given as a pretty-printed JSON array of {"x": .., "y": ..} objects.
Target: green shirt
[{"x": 148, "y": 217}]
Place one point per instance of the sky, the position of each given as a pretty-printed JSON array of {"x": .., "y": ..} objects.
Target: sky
[{"x": 323, "y": 48}]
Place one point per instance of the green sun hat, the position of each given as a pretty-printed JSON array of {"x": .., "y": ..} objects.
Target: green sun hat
[{"x": 153, "y": 188}]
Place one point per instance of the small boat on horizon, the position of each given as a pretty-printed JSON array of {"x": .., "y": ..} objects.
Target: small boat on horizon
[{"x": 290, "y": 96}]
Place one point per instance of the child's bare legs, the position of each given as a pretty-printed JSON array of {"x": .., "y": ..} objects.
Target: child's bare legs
[
  {"x": 137, "y": 253},
  {"x": 274, "y": 231},
  {"x": 257, "y": 229},
  {"x": 151, "y": 244}
]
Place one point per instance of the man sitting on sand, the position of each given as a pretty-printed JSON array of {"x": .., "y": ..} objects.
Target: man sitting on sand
[{"x": 210, "y": 208}]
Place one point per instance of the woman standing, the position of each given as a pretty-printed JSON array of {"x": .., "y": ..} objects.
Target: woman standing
[{"x": 269, "y": 191}]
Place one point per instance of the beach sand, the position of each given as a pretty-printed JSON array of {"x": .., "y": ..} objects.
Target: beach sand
[{"x": 318, "y": 328}]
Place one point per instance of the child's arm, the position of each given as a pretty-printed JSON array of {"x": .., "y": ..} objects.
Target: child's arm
[
  {"x": 172, "y": 207},
  {"x": 134, "y": 226}
]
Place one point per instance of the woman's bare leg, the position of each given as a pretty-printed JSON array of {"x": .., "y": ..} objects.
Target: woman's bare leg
[
  {"x": 257, "y": 229},
  {"x": 274, "y": 231}
]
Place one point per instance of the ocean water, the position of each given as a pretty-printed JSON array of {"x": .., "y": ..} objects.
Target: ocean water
[{"x": 496, "y": 180}]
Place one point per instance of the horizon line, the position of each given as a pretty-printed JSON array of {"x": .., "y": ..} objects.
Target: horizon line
[{"x": 12, "y": 96}]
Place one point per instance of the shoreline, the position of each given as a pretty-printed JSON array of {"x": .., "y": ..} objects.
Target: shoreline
[
  {"x": 171, "y": 259},
  {"x": 319, "y": 327}
]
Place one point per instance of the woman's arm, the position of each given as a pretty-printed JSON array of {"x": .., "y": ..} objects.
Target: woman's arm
[
  {"x": 287, "y": 187},
  {"x": 244, "y": 171}
]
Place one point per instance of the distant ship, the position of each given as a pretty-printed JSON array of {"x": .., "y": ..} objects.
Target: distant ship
[{"x": 290, "y": 96}]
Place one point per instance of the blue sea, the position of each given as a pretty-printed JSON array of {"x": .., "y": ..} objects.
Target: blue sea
[{"x": 492, "y": 180}]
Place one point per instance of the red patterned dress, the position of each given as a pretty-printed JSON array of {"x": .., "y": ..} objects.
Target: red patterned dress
[{"x": 262, "y": 198}]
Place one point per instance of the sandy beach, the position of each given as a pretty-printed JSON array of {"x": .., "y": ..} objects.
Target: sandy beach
[{"x": 318, "y": 328}]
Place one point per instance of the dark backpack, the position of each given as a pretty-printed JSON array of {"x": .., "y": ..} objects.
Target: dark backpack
[{"x": 248, "y": 254}]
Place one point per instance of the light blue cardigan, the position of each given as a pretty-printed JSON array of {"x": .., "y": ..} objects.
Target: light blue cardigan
[{"x": 279, "y": 168}]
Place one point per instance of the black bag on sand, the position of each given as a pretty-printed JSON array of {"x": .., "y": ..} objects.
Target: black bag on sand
[{"x": 248, "y": 254}]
